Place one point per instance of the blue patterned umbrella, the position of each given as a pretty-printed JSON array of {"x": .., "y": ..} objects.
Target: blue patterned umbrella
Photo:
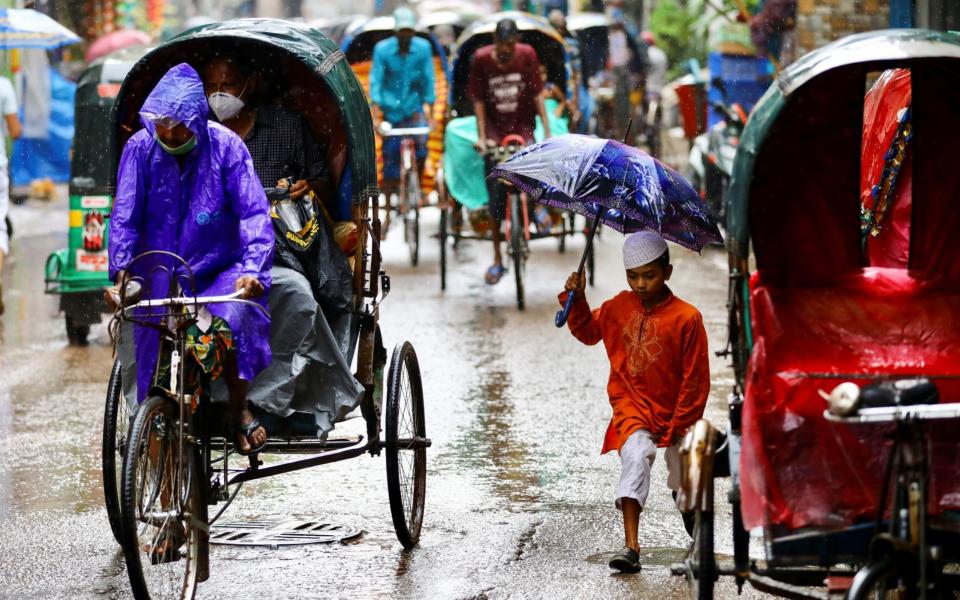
[
  {"x": 625, "y": 187},
  {"x": 579, "y": 173},
  {"x": 27, "y": 28}
]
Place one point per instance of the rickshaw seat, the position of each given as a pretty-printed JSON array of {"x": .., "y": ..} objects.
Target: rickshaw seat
[{"x": 801, "y": 471}]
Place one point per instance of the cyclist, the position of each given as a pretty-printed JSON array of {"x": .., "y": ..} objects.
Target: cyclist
[
  {"x": 505, "y": 87},
  {"x": 187, "y": 186},
  {"x": 402, "y": 92}
]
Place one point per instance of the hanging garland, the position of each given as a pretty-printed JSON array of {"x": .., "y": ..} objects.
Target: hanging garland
[{"x": 883, "y": 193}]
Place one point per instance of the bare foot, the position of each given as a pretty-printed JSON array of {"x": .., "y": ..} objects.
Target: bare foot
[{"x": 254, "y": 439}]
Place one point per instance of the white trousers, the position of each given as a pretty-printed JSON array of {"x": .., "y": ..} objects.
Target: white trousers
[{"x": 636, "y": 458}]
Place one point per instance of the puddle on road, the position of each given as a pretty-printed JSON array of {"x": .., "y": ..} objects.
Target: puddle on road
[{"x": 489, "y": 446}]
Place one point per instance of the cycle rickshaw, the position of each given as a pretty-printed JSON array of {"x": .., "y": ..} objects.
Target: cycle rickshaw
[
  {"x": 415, "y": 188},
  {"x": 78, "y": 273},
  {"x": 461, "y": 176},
  {"x": 856, "y": 285},
  {"x": 177, "y": 462}
]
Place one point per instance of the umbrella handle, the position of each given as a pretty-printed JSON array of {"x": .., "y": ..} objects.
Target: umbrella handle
[{"x": 561, "y": 319}]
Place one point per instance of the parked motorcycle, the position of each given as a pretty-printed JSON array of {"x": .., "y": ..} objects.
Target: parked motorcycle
[{"x": 712, "y": 154}]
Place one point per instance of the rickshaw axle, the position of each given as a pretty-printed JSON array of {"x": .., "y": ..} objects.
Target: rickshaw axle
[{"x": 352, "y": 450}]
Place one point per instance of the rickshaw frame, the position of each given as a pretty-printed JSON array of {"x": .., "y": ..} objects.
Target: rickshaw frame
[{"x": 796, "y": 560}]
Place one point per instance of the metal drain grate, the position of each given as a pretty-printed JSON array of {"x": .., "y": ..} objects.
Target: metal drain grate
[{"x": 283, "y": 533}]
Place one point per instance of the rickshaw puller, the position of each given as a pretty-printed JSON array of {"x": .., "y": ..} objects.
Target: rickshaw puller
[
  {"x": 505, "y": 87},
  {"x": 402, "y": 92},
  {"x": 186, "y": 185},
  {"x": 659, "y": 374}
]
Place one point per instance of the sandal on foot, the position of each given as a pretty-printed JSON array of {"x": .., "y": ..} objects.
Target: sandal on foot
[
  {"x": 247, "y": 430},
  {"x": 626, "y": 561},
  {"x": 494, "y": 274}
]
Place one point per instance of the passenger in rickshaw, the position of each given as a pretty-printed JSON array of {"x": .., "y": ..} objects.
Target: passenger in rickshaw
[
  {"x": 626, "y": 67},
  {"x": 505, "y": 87},
  {"x": 278, "y": 139},
  {"x": 402, "y": 92},
  {"x": 309, "y": 376},
  {"x": 187, "y": 186}
]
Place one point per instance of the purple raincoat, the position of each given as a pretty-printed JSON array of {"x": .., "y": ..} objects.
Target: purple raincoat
[{"x": 212, "y": 212}]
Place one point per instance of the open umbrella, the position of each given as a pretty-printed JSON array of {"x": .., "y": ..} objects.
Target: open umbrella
[
  {"x": 27, "y": 28},
  {"x": 114, "y": 41},
  {"x": 613, "y": 183}
]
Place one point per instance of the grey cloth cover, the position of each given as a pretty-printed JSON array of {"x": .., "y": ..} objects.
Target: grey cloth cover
[{"x": 309, "y": 371}]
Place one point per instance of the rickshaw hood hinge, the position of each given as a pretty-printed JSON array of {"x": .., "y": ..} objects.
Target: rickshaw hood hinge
[{"x": 330, "y": 62}]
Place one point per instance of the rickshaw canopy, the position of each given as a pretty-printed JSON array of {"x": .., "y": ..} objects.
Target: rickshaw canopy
[
  {"x": 795, "y": 186},
  {"x": 534, "y": 30},
  {"x": 360, "y": 38},
  {"x": 306, "y": 69},
  {"x": 587, "y": 20}
]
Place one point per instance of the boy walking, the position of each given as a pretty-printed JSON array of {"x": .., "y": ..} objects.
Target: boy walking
[{"x": 659, "y": 374}]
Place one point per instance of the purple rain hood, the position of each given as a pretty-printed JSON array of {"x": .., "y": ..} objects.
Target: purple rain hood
[{"x": 207, "y": 207}]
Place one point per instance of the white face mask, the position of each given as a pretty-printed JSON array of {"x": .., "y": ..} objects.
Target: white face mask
[{"x": 225, "y": 106}]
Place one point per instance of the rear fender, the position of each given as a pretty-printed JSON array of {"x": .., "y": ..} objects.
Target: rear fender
[{"x": 696, "y": 468}]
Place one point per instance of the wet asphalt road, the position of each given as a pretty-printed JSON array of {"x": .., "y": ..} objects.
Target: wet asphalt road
[{"x": 519, "y": 500}]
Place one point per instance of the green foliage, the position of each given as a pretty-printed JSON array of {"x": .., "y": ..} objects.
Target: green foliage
[
  {"x": 682, "y": 27},
  {"x": 675, "y": 28}
]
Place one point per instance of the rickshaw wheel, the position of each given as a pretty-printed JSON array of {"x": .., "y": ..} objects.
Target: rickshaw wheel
[
  {"x": 76, "y": 333},
  {"x": 882, "y": 579},
  {"x": 116, "y": 429},
  {"x": 442, "y": 235},
  {"x": 516, "y": 245},
  {"x": 702, "y": 566},
  {"x": 161, "y": 507},
  {"x": 411, "y": 215},
  {"x": 406, "y": 465}
]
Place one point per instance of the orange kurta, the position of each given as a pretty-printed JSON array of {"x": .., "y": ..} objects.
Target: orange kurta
[{"x": 659, "y": 368}]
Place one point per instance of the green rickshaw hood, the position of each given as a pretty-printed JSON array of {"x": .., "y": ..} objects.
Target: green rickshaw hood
[
  {"x": 314, "y": 50},
  {"x": 880, "y": 49}
]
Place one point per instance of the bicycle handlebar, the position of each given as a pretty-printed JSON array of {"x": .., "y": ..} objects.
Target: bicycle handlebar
[
  {"x": 186, "y": 301},
  {"x": 404, "y": 131}
]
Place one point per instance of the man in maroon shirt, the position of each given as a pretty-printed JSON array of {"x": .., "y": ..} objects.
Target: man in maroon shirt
[{"x": 504, "y": 86}]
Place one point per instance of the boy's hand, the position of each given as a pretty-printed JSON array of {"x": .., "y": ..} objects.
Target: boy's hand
[{"x": 576, "y": 281}]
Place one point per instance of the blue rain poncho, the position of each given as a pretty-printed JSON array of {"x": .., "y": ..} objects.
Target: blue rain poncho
[{"x": 207, "y": 207}]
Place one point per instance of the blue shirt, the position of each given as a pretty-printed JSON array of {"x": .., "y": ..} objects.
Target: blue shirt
[{"x": 402, "y": 83}]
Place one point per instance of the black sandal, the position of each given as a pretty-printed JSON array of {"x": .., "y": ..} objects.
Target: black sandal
[{"x": 247, "y": 430}]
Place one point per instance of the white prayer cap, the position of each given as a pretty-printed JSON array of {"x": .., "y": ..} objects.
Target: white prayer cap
[{"x": 642, "y": 248}]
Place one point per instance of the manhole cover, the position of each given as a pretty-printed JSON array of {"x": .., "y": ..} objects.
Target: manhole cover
[{"x": 283, "y": 533}]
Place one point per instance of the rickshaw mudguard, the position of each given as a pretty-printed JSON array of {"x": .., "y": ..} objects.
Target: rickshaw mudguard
[{"x": 697, "y": 453}]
